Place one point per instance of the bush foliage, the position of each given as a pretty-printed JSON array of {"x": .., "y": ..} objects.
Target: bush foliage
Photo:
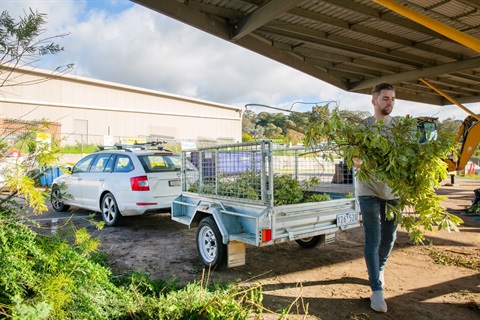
[
  {"x": 46, "y": 277},
  {"x": 412, "y": 169},
  {"x": 286, "y": 189}
]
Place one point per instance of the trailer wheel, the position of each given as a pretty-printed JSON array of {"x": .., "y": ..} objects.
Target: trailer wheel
[
  {"x": 311, "y": 242},
  {"x": 210, "y": 247}
]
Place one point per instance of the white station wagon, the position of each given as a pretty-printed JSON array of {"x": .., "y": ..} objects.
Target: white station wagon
[{"x": 118, "y": 183}]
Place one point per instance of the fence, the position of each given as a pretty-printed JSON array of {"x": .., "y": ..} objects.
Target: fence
[{"x": 254, "y": 171}]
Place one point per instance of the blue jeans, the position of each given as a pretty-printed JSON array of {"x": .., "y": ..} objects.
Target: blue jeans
[{"x": 380, "y": 235}]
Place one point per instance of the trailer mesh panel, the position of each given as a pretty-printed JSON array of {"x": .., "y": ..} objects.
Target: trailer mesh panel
[{"x": 256, "y": 172}]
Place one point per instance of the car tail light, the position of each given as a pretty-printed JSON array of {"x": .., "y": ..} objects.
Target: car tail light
[
  {"x": 146, "y": 203},
  {"x": 139, "y": 183}
]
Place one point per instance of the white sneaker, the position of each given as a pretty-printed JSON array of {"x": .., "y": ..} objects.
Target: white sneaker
[
  {"x": 381, "y": 277},
  {"x": 377, "y": 302}
]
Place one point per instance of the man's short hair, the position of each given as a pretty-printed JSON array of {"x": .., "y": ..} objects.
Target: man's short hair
[{"x": 382, "y": 86}]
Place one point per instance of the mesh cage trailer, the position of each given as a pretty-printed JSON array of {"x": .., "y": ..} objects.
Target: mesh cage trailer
[{"x": 252, "y": 193}]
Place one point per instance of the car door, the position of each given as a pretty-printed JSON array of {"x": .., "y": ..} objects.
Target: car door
[
  {"x": 74, "y": 180},
  {"x": 93, "y": 182}
]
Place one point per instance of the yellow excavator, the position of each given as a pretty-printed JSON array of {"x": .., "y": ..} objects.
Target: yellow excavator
[
  {"x": 468, "y": 137},
  {"x": 468, "y": 134}
]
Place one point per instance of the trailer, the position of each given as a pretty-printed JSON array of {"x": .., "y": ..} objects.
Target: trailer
[{"x": 254, "y": 194}]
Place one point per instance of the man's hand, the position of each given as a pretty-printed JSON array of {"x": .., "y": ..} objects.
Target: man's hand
[{"x": 357, "y": 162}]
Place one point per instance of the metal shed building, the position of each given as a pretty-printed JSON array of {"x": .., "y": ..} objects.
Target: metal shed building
[{"x": 90, "y": 111}]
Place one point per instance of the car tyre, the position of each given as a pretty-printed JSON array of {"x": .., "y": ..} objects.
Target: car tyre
[
  {"x": 110, "y": 213},
  {"x": 210, "y": 247},
  {"x": 56, "y": 200},
  {"x": 311, "y": 242}
]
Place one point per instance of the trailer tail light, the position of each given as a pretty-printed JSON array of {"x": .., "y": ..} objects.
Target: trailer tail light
[
  {"x": 139, "y": 183},
  {"x": 266, "y": 235}
]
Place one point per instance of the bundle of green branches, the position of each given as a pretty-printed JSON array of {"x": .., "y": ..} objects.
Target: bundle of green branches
[{"x": 412, "y": 169}]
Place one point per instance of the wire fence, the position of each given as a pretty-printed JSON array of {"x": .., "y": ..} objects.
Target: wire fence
[{"x": 256, "y": 172}]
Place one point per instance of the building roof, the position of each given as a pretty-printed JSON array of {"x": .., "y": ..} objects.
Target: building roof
[
  {"x": 354, "y": 44},
  {"x": 47, "y": 74}
]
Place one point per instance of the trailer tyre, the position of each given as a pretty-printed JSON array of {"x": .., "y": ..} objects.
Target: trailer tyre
[
  {"x": 311, "y": 242},
  {"x": 210, "y": 247}
]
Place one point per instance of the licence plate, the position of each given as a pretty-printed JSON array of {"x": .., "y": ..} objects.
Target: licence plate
[
  {"x": 347, "y": 219},
  {"x": 174, "y": 183}
]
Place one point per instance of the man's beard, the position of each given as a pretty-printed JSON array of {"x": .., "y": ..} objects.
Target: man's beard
[{"x": 386, "y": 111}]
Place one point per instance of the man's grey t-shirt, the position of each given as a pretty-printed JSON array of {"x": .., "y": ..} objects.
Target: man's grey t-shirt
[{"x": 373, "y": 187}]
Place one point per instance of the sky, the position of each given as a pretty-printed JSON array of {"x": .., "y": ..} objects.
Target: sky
[{"x": 122, "y": 42}]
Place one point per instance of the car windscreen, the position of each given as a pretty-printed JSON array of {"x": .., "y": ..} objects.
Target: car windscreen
[{"x": 160, "y": 162}]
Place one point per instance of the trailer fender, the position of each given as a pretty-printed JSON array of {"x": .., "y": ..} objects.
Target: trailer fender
[
  {"x": 201, "y": 210},
  {"x": 227, "y": 224}
]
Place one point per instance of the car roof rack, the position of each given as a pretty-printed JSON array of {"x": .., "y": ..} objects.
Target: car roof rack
[{"x": 153, "y": 145}]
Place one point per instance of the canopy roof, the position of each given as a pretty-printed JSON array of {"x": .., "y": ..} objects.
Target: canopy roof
[{"x": 423, "y": 47}]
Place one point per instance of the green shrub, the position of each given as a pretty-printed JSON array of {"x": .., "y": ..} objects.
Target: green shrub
[
  {"x": 286, "y": 190},
  {"x": 143, "y": 284},
  {"x": 198, "y": 302},
  {"x": 45, "y": 277},
  {"x": 40, "y": 273},
  {"x": 247, "y": 138},
  {"x": 79, "y": 148},
  {"x": 317, "y": 197}
]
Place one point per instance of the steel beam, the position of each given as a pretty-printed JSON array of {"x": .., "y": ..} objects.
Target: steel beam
[
  {"x": 446, "y": 96},
  {"x": 452, "y": 33}
]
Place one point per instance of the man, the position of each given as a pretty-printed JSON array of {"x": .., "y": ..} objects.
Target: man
[{"x": 373, "y": 197}]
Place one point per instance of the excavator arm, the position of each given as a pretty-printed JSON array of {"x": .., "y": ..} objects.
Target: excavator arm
[{"x": 469, "y": 137}]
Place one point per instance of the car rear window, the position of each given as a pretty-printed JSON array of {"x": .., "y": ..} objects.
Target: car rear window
[{"x": 160, "y": 162}]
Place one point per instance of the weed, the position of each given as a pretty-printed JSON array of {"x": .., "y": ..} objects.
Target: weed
[
  {"x": 359, "y": 316},
  {"x": 470, "y": 176},
  {"x": 454, "y": 260}
]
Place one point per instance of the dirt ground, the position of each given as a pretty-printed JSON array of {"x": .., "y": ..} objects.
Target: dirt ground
[{"x": 327, "y": 282}]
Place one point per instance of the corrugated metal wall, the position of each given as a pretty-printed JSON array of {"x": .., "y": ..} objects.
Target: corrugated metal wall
[{"x": 89, "y": 109}]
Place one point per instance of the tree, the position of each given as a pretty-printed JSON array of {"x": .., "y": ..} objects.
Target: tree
[
  {"x": 450, "y": 125},
  {"x": 272, "y": 131},
  {"x": 292, "y": 138},
  {"x": 22, "y": 45},
  {"x": 352, "y": 114},
  {"x": 280, "y": 121},
  {"x": 249, "y": 121},
  {"x": 263, "y": 119},
  {"x": 299, "y": 120}
]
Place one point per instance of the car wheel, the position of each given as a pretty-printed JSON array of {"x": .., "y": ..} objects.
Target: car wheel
[
  {"x": 110, "y": 213},
  {"x": 210, "y": 247},
  {"x": 311, "y": 242},
  {"x": 56, "y": 199}
]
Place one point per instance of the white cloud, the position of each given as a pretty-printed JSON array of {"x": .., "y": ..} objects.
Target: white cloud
[{"x": 117, "y": 41}]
